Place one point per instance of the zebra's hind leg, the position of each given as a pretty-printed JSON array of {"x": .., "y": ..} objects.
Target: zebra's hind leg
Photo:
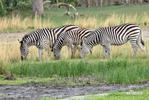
[
  {"x": 134, "y": 46},
  {"x": 73, "y": 50},
  {"x": 40, "y": 51},
  {"x": 48, "y": 54}
]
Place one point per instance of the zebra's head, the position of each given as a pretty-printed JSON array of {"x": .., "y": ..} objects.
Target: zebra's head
[
  {"x": 23, "y": 49},
  {"x": 84, "y": 48}
]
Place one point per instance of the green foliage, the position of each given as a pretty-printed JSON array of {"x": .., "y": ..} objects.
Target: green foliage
[
  {"x": 7, "y": 6},
  {"x": 2, "y": 8},
  {"x": 24, "y": 4},
  {"x": 111, "y": 71},
  {"x": 2, "y": 68}
]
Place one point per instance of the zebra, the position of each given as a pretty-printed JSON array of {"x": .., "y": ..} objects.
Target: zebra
[
  {"x": 72, "y": 39},
  {"x": 114, "y": 35},
  {"x": 42, "y": 39}
]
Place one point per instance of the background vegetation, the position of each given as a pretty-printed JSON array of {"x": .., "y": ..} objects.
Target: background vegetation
[{"x": 91, "y": 18}]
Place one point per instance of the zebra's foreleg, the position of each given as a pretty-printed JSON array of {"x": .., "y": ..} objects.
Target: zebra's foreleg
[
  {"x": 106, "y": 50},
  {"x": 135, "y": 51},
  {"x": 40, "y": 51},
  {"x": 73, "y": 50},
  {"x": 48, "y": 54}
]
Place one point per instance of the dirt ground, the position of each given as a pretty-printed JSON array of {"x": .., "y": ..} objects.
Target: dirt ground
[{"x": 35, "y": 91}]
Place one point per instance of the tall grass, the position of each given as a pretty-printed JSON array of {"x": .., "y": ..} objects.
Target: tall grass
[
  {"x": 112, "y": 71},
  {"x": 16, "y": 22},
  {"x": 11, "y": 52},
  {"x": 90, "y": 22}
]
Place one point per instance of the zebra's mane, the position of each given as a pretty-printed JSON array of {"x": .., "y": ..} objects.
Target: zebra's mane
[
  {"x": 27, "y": 35},
  {"x": 38, "y": 31}
]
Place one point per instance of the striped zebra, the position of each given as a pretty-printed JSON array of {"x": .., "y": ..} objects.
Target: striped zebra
[
  {"x": 116, "y": 35},
  {"x": 42, "y": 39},
  {"x": 72, "y": 39}
]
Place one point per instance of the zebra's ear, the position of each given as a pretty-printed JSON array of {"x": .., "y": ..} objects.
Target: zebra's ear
[{"x": 19, "y": 41}]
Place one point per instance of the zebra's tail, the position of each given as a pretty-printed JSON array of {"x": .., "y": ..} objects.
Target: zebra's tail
[{"x": 142, "y": 42}]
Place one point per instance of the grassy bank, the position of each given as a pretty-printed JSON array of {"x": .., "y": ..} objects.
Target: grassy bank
[
  {"x": 121, "y": 69},
  {"x": 92, "y": 18},
  {"x": 116, "y": 71},
  {"x": 142, "y": 94}
]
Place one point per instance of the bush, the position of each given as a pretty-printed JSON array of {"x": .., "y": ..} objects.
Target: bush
[
  {"x": 24, "y": 4},
  {"x": 11, "y": 5},
  {"x": 2, "y": 8}
]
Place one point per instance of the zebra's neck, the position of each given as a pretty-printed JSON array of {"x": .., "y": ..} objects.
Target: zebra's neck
[
  {"x": 31, "y": 40},
  {"x": 31, "y": 44}
]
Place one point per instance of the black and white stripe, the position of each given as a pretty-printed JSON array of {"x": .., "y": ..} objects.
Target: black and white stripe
[
  {"x": 43, "y": 39},
  {"x": 72, "y": 39},
  {"x": 116, "y": 35}
]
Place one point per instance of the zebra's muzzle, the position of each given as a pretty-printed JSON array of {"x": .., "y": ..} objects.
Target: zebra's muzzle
[{"x": 22, "y": 58}]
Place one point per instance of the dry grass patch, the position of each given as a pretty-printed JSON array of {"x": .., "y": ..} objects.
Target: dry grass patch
[
  {"x": 11, "y": 52},
  {"x": 114, "y": 19},
  {"x": 90, "y": 22},
  {"x": 18, "y": 23},
  {"x": 111, "y": 21}
]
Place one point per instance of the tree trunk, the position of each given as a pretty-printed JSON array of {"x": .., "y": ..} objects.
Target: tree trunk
[
  {"x": 128, "y": 2},
  {"x": 38, "y": 7},
  {"x": 87, "y": 3},
  {"x": 101, "y": 3},
  {"x": 109, "y": 2},
  {"x": 140, "y": 1},
  {"x": 97, "y": 2},
  {"x": 58, "y": 2}
]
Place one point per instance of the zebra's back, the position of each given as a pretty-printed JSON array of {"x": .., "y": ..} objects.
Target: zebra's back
[
  {"x": 116, "y": 35},
  {"x": 76, "y": 36},
  {"x": 65, "y": 28},
  {"x": 70, "y": 38}
]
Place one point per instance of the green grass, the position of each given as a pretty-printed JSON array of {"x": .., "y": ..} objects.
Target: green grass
[
  {"x": 142, "y": 94},
  {"x": 57, "y": 15},
  {"x": 117, "y": 71}
]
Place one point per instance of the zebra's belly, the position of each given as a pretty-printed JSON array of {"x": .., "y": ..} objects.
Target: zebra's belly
[{"x": 119, "y": 42}]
